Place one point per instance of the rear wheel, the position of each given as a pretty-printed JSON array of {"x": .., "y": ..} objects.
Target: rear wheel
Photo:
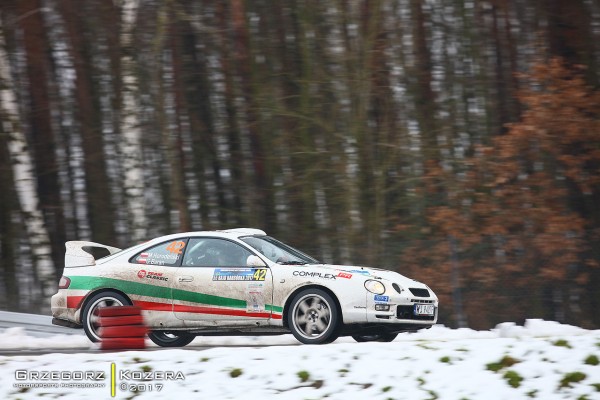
[
  {"x": 171, "y": 339},
  {"x": 378, "y": 337},
  {"x": 89, "y": 316},
  {"x": 313, "y": 317}
]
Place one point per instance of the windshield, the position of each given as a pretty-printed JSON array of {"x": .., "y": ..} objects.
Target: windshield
[{"x": 277, "y": 251}]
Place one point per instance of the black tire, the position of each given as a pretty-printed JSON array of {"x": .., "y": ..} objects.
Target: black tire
[
  {"x": 171, "y": 339},
  {"x": 378, "y": 337},
  {"x": 313, "y": 317},
  {"x": 333, "y": 338},
  {"x": 89, "y": 319}
]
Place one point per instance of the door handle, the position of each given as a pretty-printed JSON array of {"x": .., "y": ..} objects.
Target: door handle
[{"x": 185, "y": 278}]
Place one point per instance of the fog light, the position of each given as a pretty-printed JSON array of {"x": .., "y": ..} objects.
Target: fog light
[{"x": 382, "y": 307}]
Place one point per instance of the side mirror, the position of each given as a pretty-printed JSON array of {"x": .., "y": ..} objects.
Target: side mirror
[{"x": 255, "y": 261}]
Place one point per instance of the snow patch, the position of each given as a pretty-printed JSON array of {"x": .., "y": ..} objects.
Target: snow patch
[{"x": 545, "y": 359}]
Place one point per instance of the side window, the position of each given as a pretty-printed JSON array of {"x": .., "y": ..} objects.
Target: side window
[
  {"x": 167, "y": 253},
  {"x": 213, "y": 252}
]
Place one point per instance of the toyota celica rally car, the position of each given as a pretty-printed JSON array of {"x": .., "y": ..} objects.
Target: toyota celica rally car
[{"x": 237, "y": 282}]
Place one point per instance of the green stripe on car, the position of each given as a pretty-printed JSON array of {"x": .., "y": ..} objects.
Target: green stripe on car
[{"x": 144, "y": 289}]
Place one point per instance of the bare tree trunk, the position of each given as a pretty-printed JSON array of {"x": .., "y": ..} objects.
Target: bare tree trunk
[
  {"x": 262, "y": 205},
  {"x": 131, "y": 145},
  {"x": 196, "y": 93},
  {"x": 505, "y": 64},
  {"x": 233, "y": 129},
  {"x": 41, "y": 139},
  {"x": 385, "y": 135},
  {"x": 568, "y": 33},
  {"x": 300, "y": 172},
  {"x": 424, "y": 95},
  {"x": 23, "y": 173},
  {"x": 8, "y": 269},
  {"x": 176, "y": 136},
  {"x": 101, "y": 210},
  {"x": 174, "y": 189}
]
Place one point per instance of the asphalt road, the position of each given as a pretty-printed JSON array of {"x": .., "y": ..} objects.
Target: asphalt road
[
  {"x": 34, "y": 324},
  {"x": 41, "y": 326}
]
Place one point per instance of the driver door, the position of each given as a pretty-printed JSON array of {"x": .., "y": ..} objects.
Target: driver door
[{"x": 215, "y": 284}]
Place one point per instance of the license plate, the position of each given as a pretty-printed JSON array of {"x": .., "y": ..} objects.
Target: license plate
[{"x": 424, "y": 309}]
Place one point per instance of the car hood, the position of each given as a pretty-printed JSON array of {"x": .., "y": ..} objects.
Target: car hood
[{"x": 373, "y": 273}]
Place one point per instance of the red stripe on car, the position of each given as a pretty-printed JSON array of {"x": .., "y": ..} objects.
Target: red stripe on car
[
  {"x": 150, "y": 305},
  {"x": 74, "y": 301}
]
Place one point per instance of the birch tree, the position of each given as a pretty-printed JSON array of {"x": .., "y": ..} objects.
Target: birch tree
[
  {"x": 24, "y": 179},
  {"x": 131, "y": 144}
]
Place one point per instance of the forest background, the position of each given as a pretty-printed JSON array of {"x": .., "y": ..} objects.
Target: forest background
[{"x": 454, "y": 141}]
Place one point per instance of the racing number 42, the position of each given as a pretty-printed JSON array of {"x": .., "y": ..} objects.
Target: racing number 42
[
  {"x": 259, "y": 274},
  {"x": 176, "y": 247}
]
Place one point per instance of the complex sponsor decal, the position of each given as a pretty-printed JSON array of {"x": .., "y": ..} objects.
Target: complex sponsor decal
[
  {"x": 158, "y": 276},
  {"x": 313, "y": 275},
  {"x": 126, "y": 380},
  {"x": 382, "y": 299},
  {"x": 239, "y": 274}
]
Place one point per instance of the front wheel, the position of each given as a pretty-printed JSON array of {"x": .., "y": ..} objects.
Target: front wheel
[
  {"x": 170, "y": 339},
  {"x": 89, "y": 316},
  {"x": 313, "y": 317},
  {"x": 378, "y": 337}
]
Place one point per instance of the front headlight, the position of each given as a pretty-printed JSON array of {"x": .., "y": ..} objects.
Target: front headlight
[{"x": 374, "y": 286}]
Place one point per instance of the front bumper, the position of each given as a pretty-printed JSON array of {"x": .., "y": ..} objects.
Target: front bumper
[{"x": 396, "y": 308}]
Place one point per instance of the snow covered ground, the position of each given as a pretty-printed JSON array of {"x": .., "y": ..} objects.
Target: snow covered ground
[{"x": 541, "y": 360}]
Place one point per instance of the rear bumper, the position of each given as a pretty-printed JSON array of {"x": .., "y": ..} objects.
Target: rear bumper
[
  {"x": 61, "y": 310},
  {"x": 58, "y": 305},
  {"x": 65, "y": 323}
]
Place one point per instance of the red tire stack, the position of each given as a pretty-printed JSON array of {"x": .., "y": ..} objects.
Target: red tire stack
[{"x": 121, "y": 328}]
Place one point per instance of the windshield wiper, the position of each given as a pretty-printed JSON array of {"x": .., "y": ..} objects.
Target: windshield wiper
[{"x": 293, "y": 262}]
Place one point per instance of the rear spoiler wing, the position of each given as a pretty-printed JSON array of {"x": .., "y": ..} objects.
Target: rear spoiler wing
[{"x": 76, "y": 256}]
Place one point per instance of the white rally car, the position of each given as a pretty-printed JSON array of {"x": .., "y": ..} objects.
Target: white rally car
[{"x": 237, "y": 282}]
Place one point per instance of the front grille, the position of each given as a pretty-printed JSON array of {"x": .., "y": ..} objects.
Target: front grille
[
  {"x": 407, "y": 312},
  {"x": 419, "y": 292}
]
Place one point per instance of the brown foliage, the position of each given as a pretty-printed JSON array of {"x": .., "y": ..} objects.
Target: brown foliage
[{"x": 510, "y": 206}]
